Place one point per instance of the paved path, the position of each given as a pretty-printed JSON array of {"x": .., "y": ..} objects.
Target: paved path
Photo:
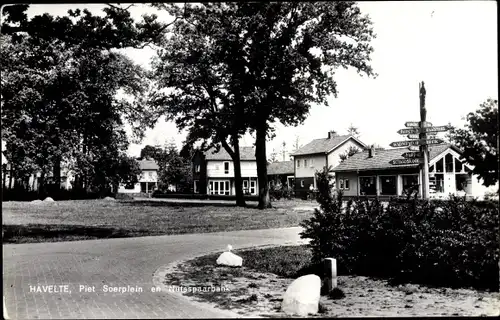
[{"x": 114, "y": 262}]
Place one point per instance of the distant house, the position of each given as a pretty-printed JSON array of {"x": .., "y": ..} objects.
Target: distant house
[
  {"x": 148, "y": 179},
  {"x": 370, "y": 173},
  {"x": 213, "y": 172},
  {"x": 317, "y": 154},
  {"x": 281, "y": 174},
  {"x": 33, "y": 181}
]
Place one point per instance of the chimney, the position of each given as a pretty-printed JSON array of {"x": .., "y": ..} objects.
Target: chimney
[
  {"x": 331, "y": 134},
  {"x": 371, "y": 152}
]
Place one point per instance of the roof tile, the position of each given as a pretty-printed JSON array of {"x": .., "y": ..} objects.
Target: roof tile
[
  {"x": 246, "y": 153},
  {"x": 361, "y": 161},
  {"x": 322, "y": 145}
]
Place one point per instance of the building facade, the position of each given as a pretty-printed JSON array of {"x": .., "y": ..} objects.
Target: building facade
[
  {"x": 213, "y": 172},
  {"x": 318, "y": 154},
  {"x": 147, "y": 180},
  {"x": 281, "y": 174},
  {"x": 369, "y": 173}
]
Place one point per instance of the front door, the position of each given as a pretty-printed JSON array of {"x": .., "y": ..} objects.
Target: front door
[{"x": 253, "y": 188}]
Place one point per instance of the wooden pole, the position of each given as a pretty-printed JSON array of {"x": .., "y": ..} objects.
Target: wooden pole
[{"x": 423, "y": 148}]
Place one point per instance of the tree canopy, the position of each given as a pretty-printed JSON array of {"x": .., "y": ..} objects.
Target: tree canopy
[{"x": 479, "y": 141}]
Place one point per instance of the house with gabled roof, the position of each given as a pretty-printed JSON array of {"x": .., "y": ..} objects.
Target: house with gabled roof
[
  {"x": 370, "y": 173},
  {"x": 147, "y": 180},
  {"x": 317, "y": 154},
  {"x": 281, "y": 173},
  {"x": 213, "y": 172}
]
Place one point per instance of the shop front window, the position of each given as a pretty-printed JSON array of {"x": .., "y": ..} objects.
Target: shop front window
[
  {"x": 388, "y": 185},
  {"x": 367, "y": 186},
  {"x": 410, "y": 184}
]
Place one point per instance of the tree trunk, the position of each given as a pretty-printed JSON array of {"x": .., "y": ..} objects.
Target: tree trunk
[
  {"x": 10, "y": 177},
  {"x": 238, "y": 181},
  {"x": 261, "y": 157},
  {"x": 57, "y": 174}
]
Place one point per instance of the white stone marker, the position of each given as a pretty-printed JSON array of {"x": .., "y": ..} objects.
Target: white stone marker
[
  {"x": 302, "y": 296},
  {"x": 230, "y": 259},
  {"x": 331, "y": 273}
]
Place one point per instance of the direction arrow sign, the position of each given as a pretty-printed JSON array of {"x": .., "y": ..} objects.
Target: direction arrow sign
[
  {"x": 414, "y": 148},
  {"x": 437, "y": 129},
  {"x": 409, "y": 131},
  {"x": 405, "y": 143},
  {"x": 413, "y": 124},
  {"x": 405, "y": 161},
  {"x": 424, "y": 130},
  {"x": 409, "y": 155},
  {"x": 417, "y": 136},
  {"x": 431, "y": 141},
  {"x": 415, "y": 142}
]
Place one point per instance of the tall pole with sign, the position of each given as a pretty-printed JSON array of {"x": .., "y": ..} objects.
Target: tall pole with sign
[{"x": 423, "y": 147}]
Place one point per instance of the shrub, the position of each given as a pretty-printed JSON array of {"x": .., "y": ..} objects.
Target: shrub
[
  {"x": 280, "y": 192},
  {"x": 442, "y": 242}
]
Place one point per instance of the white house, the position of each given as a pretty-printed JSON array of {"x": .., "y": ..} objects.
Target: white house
[
  {"x": 213, "y": 172},
  {"x": 148, "y": 179},
  {"x": 317, "y": 154}
]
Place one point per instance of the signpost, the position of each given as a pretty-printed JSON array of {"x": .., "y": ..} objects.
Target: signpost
[
  {"x": 416, "y": 124},
  {"x": 422, "y": 134}
]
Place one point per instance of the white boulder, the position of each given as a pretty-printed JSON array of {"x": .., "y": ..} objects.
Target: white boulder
[
  {"x": 302, "y": 296},
  {"x": 37, "y": 201},
  {"x": 109, "y": 199},
  {"x": 230, "y": 259},
  {"x": 48, "y": 199}
]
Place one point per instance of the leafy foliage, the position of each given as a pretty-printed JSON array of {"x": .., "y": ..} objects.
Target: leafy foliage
[
  {"x": 446, "y": 242},
  {"x": 479, "y": 141},
  {"x": 60, "y": 82},
  {"x": 349, "y": 153},
  {"x": 245, "y": 66}
]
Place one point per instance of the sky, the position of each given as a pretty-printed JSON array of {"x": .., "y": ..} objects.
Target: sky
[{"x": 450, "y": 45}]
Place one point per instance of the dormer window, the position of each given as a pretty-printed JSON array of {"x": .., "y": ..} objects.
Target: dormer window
[
  {"x": 298, "y": 163},
  {"x": 226, "y": 167},
  {"x": 305, "y": 163}
]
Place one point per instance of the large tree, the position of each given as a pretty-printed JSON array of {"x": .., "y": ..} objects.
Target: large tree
[
  {"x": 479, "y": 141},
  {"x": 270, "y": 61},
  {"x": 60, "y": 82},
  {"x": 195, "y": 86}
]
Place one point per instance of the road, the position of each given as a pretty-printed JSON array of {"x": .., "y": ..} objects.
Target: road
[{"x": 94, "y": 264}]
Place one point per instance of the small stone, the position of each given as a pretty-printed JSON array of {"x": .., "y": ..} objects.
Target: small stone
[
  {"x": 37, "y": 201},
  {"x": 109, "y": 199},
  {"x": 302, "y": 296},
  {"x": 230, "y": 259}
]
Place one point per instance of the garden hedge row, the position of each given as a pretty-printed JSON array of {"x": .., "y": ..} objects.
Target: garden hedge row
[{"x": 451, "y": 243}]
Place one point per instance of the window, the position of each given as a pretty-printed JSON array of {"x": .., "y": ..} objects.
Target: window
[
  {"x": 439, "y": 165},
  {"x": 410, "y": 183},
  {"x": 431, "y": 168},
  {"x": 197, "y": 168},
  {"x": 196, "y": 186},
  {"x": 448, "y": 159},
  {"x": 129, "y": 186},
  {"x": 367, "y": 186},
  {"x": 388, "y": 185},
  {"x": 226, "y": 167},
  {"x": 221, "y": 187},
  {"x": 344, "y": 184},
  {"x": 298, "y": 163},
  {"x": 305, "y": 163},
  {"x": 151, "y": 174},
  {"x": 311, "y": 161},
  {"x": 458, "y": 165},
  {"x": 302, "y": 183}
]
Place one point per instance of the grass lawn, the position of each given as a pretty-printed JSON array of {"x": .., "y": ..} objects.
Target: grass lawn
[
  {"x": 95, "y": 219},
  {"x": 257, "y": 289}
]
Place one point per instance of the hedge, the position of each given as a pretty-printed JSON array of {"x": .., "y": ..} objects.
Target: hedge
[{"x": 451, "y": 243}]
